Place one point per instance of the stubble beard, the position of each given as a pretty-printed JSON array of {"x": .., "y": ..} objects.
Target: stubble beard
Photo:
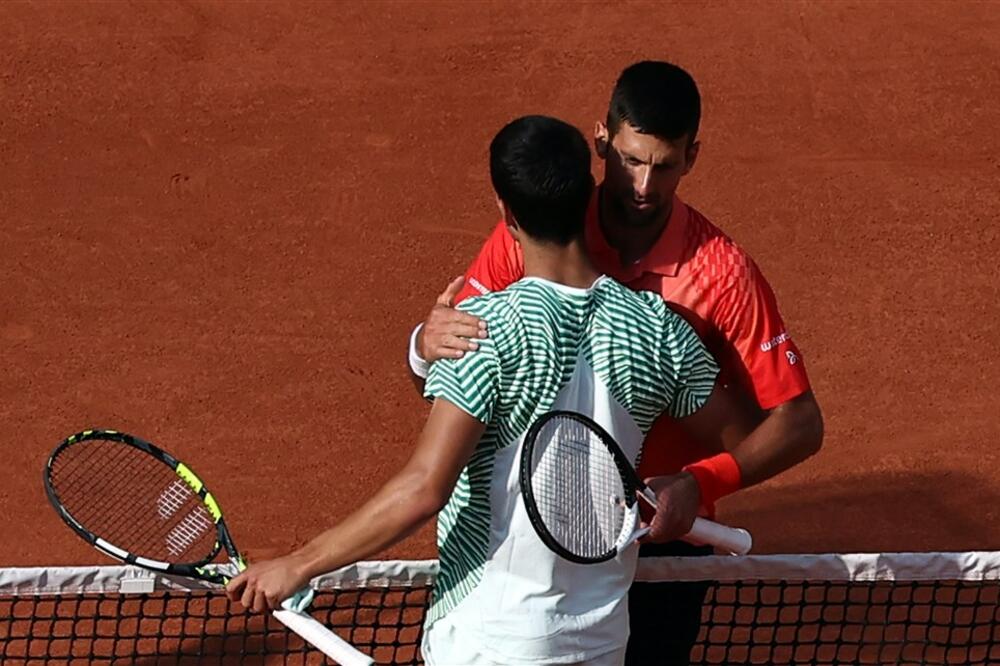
[{"x": 633, "y": 219}]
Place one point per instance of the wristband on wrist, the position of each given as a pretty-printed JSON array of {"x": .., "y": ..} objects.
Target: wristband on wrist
[
  {"x": 419, "y": 366},
  {"x": 717, "y": 477}
]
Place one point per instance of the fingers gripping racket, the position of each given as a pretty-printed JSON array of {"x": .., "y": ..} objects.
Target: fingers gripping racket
[
  {"x": 581, "y": 492},
  {"x": 137, "y": 503}
]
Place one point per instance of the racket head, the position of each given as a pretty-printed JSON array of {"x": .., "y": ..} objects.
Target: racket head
[
  {"x": 135, "y": 502},
  {"x": 578, "y": 488}
]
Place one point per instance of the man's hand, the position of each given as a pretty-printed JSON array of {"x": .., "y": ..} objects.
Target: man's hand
[
  {"x": 447, "y": 332},
  {"x": 678, "y": 500},
  {"x": 266, "y": 584}
]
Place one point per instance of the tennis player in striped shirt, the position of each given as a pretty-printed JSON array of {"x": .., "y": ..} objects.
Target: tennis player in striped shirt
[{"x": 562, "y": 337}]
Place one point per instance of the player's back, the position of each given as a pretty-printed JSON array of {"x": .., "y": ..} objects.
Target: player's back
[
  {"x": 599, "y": 351},
  {"x": 618, "y": 356}
]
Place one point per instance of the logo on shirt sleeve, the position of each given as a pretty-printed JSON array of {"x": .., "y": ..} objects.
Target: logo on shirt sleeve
[
  {"x": 478, "y": 286},
  {"x": 792, "y": 358},
  {"x": 775, "y": 341}
]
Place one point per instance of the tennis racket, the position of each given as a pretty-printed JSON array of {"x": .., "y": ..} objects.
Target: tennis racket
[
  {"x": 138, "y": 504},
  {"x": 581, "y": 492}
]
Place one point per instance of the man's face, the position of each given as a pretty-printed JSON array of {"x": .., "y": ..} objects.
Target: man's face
[{"x": 642, "y": 171}]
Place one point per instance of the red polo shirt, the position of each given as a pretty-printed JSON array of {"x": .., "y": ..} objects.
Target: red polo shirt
[{"x": 711, "y": 282}]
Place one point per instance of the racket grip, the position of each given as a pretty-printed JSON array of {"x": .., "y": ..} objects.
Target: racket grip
[
  {"x": 321, "y": 638},
  {"x": 735, "y": 540},
  {"x": 732, "y": 539}
]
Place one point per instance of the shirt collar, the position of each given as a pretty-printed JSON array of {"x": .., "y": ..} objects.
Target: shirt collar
[{"x": 664, "y": 257}]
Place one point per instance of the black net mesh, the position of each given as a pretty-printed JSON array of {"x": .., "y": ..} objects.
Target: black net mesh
[
  {"x": 773, "y": 621},
  {"x": 201, "y": 628},
  {"x": 817, "y": 622}
]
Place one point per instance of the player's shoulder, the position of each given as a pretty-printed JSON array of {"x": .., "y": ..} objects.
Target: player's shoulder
[
  {"x": 491, "y": 302},
  {"x": 716, "y": 261},
  {"x": 614, "y": 291},
  {"x": 637, "y": 307},
  {"x": 708, "y": 242},
  {"x": 497, "y": 308}
]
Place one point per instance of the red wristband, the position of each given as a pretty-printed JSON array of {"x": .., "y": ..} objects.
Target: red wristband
[{"x": 717, "y": 477}]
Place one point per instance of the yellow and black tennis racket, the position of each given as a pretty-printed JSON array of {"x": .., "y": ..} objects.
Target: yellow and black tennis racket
[{"x": 139, "y": 504}]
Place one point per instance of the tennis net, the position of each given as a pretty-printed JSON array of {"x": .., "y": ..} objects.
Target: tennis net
[{"x": 891, "y": 608}]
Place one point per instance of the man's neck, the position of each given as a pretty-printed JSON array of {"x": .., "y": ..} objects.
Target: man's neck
[
  {"x": 632, "y": 241},
  {"x": 568, "y": 265}
]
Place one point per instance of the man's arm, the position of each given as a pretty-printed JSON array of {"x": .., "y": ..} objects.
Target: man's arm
[
  {"x": 402, "y": 505},
  {"x": 750, "y": 449},
  {"x": 789, "y": 434},
  {"x": 449, "y": 333},
  {"x": 792, "y": 429}
]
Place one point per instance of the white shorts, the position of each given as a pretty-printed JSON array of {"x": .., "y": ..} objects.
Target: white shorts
[{"x": 444, "y": 644}]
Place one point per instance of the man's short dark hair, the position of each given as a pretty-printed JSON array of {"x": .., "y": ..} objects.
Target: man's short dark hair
[
  {"x": 540, "y": 168},
  {"x": 656, "y": 98}
]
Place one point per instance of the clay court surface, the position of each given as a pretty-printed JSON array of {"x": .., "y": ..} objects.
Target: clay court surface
[{"x": 219, "y": 222}]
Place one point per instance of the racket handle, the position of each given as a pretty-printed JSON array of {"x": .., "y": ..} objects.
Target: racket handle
[
  {"x": 321, "y": 638},
  {"x": 732, "y": 539}
]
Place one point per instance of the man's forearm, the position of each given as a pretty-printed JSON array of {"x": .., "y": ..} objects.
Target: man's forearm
[{"x": 789, "y": 434}]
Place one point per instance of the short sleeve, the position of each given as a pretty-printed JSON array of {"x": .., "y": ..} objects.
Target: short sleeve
[
  {"x": 689, "y": 368},
  {"x": 471, "y": 383},
  {"x": 498, "y": 265},
  {"x": 747, "y": 315}
]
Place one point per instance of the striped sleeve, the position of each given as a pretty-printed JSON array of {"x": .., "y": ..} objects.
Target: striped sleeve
[
  {"x": 471, "y": 383},
  {"x": 689, "y": 368}
]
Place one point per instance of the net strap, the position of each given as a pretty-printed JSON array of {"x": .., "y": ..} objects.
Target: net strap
[{"x": 853, "y": 567}]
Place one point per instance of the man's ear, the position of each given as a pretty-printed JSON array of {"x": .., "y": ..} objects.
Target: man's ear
[
  {"x": 601, "y": 139},
  {"x": 691, "y": 156},
  {"x": 508, "y": 218},
  {"x": 505, "y": 214}
]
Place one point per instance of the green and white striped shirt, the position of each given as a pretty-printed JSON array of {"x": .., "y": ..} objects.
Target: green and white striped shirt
[{"x": 619, "y": 356}]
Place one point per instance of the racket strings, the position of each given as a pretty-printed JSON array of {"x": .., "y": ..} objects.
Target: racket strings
[
  {"x": 578, "y": 489},
  {"x": 109, "y": 512},
  {"x": 101, "y": 497},
  {"x": 134, "y": 501}
]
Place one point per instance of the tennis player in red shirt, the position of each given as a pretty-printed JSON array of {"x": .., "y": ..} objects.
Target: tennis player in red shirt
[{"x": 641, "y": 233}]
